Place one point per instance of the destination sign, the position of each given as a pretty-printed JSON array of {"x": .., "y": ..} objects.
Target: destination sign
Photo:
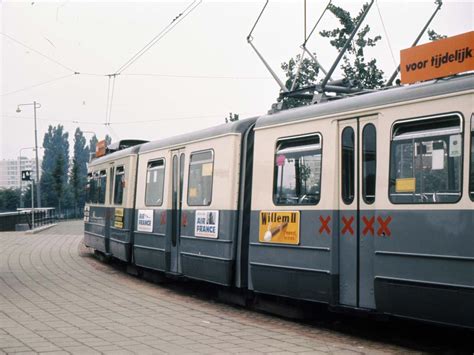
[{"x": 437, "y": 59}]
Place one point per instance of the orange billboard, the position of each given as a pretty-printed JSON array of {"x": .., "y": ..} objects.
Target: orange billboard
[
  {"x": 100, "y": 148},
  {"x": 437, "y": 59}
]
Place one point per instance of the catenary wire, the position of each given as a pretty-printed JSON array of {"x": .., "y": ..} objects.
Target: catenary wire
[
  {"x": 199, "y": 76},
  {"x": 37, "y": 52},
  {"x": 161, "y": 35},
  {"x": 386, "y": 33},
  {"x": 39, "y": 84},
  {"x": 111, "y": 100},
  {"x": 107, "y": 102},
  {"x": 149, "y": 43}
]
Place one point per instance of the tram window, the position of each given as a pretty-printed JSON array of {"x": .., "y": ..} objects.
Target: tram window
[
  {"x": 471, "y": 169},
  {"x": 102, "y": 186},
  {"x": 368, "y": 163},
  {"x": 90, "y": 188},
  {"x": 155, "y": 180},
  {"x": 426, "y": 161},
  {"x": 297, "y": 171},
  {"x": 201, "y": 170},
  {"x": 348, "y": 163},
  {"x": 94, "y": 187},
  {"x": 112, "y": 184},
  {"x": 119, "y": 185}
]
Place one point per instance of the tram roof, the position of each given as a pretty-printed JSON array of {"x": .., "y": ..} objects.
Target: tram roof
[
  {"x": 238, "y": 127},
  {"x": 374, "y": 99},
  {"x": 115, "y": 155}
]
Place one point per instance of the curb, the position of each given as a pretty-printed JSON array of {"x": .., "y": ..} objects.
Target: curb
[{"x": 40, "y": 229}]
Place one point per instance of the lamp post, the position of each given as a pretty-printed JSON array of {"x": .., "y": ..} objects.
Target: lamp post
[
  {"x": 21, "y": 181},
  {"x": 38, "y": 189}
]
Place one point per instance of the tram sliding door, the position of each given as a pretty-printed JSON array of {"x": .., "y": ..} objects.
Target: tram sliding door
[
  {"x": 177, "y": 158},
  {"x": 357, "y": 163}
]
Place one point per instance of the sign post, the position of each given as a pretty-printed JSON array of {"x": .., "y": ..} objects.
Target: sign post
[{"x": 26, "y": 176}]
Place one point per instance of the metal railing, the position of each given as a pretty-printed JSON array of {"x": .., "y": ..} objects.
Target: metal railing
[{"x": 10, "y": 221}]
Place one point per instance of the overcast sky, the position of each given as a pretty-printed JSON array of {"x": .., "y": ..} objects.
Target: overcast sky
[{"x": 198, "y": 73}]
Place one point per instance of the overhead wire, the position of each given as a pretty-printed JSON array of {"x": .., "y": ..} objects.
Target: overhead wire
[
  {"x": 38, "y": 52},
  {"x": 52, "y": 120},
  {"x": 199, "y": 76},
  {"x": 181, "y": 16},
  {"x": 39, "y": 84},
  {"x": 111, "y": 100},
  {"x": 107, "y": 102},
  {"x": 386, "y": 33}
]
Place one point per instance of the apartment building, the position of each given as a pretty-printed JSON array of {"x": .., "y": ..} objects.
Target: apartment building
[{"x": 10, "y": 171}]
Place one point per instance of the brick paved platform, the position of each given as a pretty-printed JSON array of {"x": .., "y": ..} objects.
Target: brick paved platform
[{"x": 56, "y": 298}]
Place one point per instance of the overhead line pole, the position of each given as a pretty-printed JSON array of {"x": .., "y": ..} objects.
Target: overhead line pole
[
  {"x": 250, "y": 39},
  {"x": 395, "y": 73},
  {"x": 346, "y": 45},
  {"x": 303, "y": 46}
]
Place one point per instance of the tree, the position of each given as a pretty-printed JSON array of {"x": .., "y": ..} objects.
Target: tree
[
  {"x": 55, "y": 144},
  {"x": 232, "y": 117},
  {"x": 93, "y": 143},
  {"x": 307, "y": 76},
  {"x": 355, "y": 67},
  {"x": 58, "y": 179},
  {"x": 434, "y": 36},
  {"x": 364, "y": 73},
  {"x": 9, "y": 199},
  {"x": 78, "y": 175}
]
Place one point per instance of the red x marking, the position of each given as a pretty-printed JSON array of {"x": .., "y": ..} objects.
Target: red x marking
[
  {"x": 347, "y": 225},
  {"x": 184, "y": 219},
  {"x": 384, "y": 230},
  {"x": 369, "y": 225},
  {"x": 163, "y": 218},
  {"x": 324, "y": 225}
]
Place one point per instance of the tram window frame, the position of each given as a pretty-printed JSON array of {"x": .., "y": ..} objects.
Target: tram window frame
[
  {"x": 119, "y": 188},
  {"x": 101, "y": 186},
  {"x": 89, "y": 187},
  {"x": 471, "y": 168},
  {"x": 191, "y": 185},
  {"x": 112, "y": 183},
  {"x": 423, "y": 134},
  {"x": 366, "y": 183},
  {"x": 348, "y": 177},
  {"x": 94, "y": 187},
  {"x": 147, "y": 183},
  {"x": 290, "y": 145}
]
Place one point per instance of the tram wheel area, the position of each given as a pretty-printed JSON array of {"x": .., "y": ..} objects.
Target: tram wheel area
[{"x": 373, "y": 327}]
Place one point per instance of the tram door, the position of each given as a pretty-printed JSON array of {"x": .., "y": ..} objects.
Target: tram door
[
  {"x": 177, "y": 158},
  {"x": 357, "y": 227}
]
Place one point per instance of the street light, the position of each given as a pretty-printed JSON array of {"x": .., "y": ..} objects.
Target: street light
[{"x": 35, "y": 106}]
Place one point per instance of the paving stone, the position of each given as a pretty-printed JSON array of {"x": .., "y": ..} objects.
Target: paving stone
[
  {"x": 16, "y": 349},
  {"x": 56, "y": 298}
]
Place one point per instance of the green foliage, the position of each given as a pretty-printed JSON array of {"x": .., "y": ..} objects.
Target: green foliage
[
  {"x": 232, "y": 117},
  {"x": 93, "y": 143},
  {"x": 56, "y": 147},
  {"x": 355, "y": 66},
  {"x": 58, "y": 179},
  {"x": 9, "y": 199},
  {"x": 77, "y": 181},
  {"x": 308, "y": 74},
  {"x": 434, "y": 36}
]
